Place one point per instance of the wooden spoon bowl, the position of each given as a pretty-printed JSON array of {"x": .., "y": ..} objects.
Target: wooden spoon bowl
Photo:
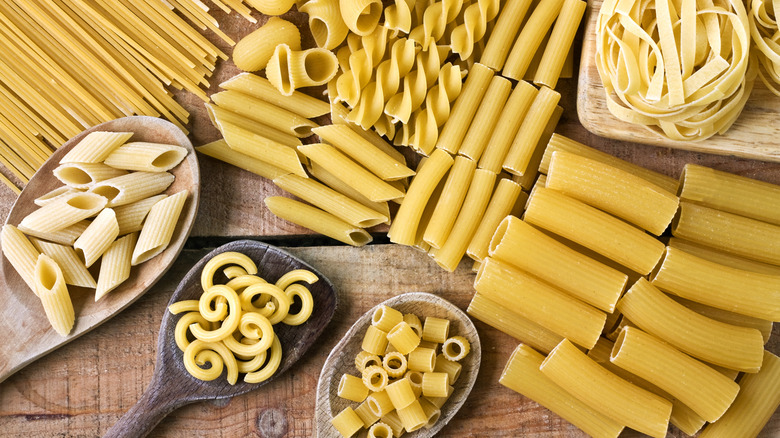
[
  {"x": 28, "y": 335},
  {"x": 342, "y": 361},
  {"x": 172, "y": 386}
]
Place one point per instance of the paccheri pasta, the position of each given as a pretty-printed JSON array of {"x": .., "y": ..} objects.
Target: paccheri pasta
[
  {"x": 407, "y": 387},
  {"x": 95, "y": 220},
  {"x": 231, "y": 325}
]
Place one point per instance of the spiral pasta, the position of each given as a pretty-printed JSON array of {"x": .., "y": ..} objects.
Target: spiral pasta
[
  {"x": 435, "y": 21},
  {"x": 475, "y": 20},
  {"x": 362, "y": 61}
]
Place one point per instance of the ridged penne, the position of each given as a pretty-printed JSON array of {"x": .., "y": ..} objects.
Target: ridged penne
[
  {"x": 73, "y": 269},
  {"x": 51, "y": 289},
  {"x": 260, "y": 88},
  {"x": 84, "y": 175},
  {"x": 317, "y": 220},
  {"x": 63, "y": 213},
  {"x": 132, "y": 187},
  {"x": 253, "y": 51},
  {"x": 220, "y": 116},
  {"x": 130, "y": 217},
  {"x": 262, "y": 149},
  {"x": 115, "y": 266},
  {"x": 58, "y": 193},
  {"x": 95, "y": 147},
  {"x": 340, "y": 186},
  {"x": 65, "y": 236},
  {"x": 98, "y": 236},
  {"x": 147, "y": 157},
  {"x": 23, "y": 256},
  {"x": 159, "y": 227},
  {"x": 264, "y": 112},
  {"x": 327, "y": 27},
  {"x": 290, "y": 69},
  {"x": 221, "y": 151}
]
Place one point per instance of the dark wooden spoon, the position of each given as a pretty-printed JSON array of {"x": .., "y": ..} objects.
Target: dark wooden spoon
[{"x": 172, "y": 386}]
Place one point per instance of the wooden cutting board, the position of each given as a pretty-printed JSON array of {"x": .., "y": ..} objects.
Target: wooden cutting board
[
  {"x": 756, "y": 134},
  {"x": 83, "y": 388}
]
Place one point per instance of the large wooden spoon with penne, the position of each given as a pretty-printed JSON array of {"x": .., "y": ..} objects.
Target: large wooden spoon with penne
[{"x": 27, "y": 333}]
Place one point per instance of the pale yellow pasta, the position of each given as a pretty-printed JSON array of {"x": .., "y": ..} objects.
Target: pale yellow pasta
[
  {"x": 272, "y": 7},
  {"x": 531, "y": 173},
  {"x": 506, "y": 320},
  {"x": 58, "y": 193},
  {"x": 722, "y": 257},
  {"x": 132, "y": 187},
  {"x": 65, "y": 236},
  {"x": 606, "y": 393},
  {"x": 277, "y": 302},
  {"x": 84, "y": 175},
  {"x": 375, "y": 378},
  {"x": 728, "y": 317},
  {"x": 290, "y": 69},
  {"x": 366, "y": 415},
  {"x": 466, "y": 37},
  {"x": 403, "y": 338},
  {"x": 432, "y": 412},
  {"x": 229, "y": 313},
  {"x": 51, "y": 289},
  {"x": 260, "y": 339},
  {"x": 439, "y": 401},
  {"x": 130, "y": 217},
  {"x": 509, "y": 121},
  {"x": 347, "y": 422},
  {"x": 415, "y": 380},
  {"x": 445, "y": 364},
  {"x": 159, "y": 227},
  {"x": 394, "y": 421},
  {"x": 414, "y": 323},
  {"x": 364, "y": 152},
  {"x": 695, "y": 384},
  {"x": 474, "y": 206},
  {"x": 612, "y": 190},
  {"x": 435, "y": 384},
  {"x": 307, "y": 304},
  {"x": 436, "y": 329},
  {"x": 525, "y": 247},
  {"x": 23, "y": 256},
  {"x": 412, "y": 416},
  {"x": 199, "y": 352},
  {"x": 455, "y": 348},
  {"x": 274, "y": 360},
  {"x": 422, "y": 359},
  {"x": 507, "y": 194},
  {"x": 95, "y": 147},
  {"x": 263, "y": 149},
  {"x": 340, "y": 186},
  {"x": 260, "y": 88},
  {"x": 712, "y": 341},
  {"x": 325, "y": 22},
  {"x": 351, "y": 173},
  {"x": 400, "y": 393},
  {"x": 523, "y": 146},
  {"x": 395, "y": 364},
  {"x": 147, "y": 157},
  {"x": 374, "y": 341},
  {"x": 222, "y": 260},
  {"x": 62, "y": 214},
  {"x": 594, "y": 229},
  {"x": 465, "y": 107},
  {"x": 486, "y": 118},
  {"x": 503, "y": 35},
  {"x": 317, "y": 220},
  {"x": 253, "y": 51},
  {"x": 221, "y": 151},
  {"x": 294, "y": 276},
  {"x": 559, "y": 46},
  {"x": 180, "y": 333},
  {"x": 539, "y": 302},
  {"x": 361, "y": 16},
  {"x": 530, "y": 37},
  {"x": 403, "y": 230},
  {"x": 220, "y": 116},
  {"x": 73, "y": 269},
  {"x": 380, "y": 430},
  {"x": 450, "y": 201},
  {"x": 385, "y": 318},
  {"x": 98, "y": 236},
  {"x": 521, "y": 374},
  {"x": 380, "y": 403},
  {"x": 352, "y": 388},
  {"x": 365, "y": 359},
  {"x": 264, "y": 112}
]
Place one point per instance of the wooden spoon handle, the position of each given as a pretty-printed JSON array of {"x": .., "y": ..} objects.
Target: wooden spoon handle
[{"x": 155, "y": 403}]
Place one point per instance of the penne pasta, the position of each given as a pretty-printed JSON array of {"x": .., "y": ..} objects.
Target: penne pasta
[
  {"x": 21, "y": 253},
  {"x": 83, "y": 175},
  {"x": 115, "y": 266},
  {"x": 264, "y": 112},
  {"x": 65, "y": 236},
  {"x": 450, "y": 201},
  {"x": 61, "y": 214},
  {"x": 317, "y": 220},
  {"x": 159, "y": 227},
  {"x": 220, "y": 116},
  {"x": 464, "y": 108},
  {"x": 73, "y": 269},
  {"x": 58, "y": 193},
  {"x": 501, "y": 204},
  {"x": 130, "y": 217},
  {"x": 260, "y": 88},
  {"x": 146, "y": 157},
  {"x": 95, "y": 147},
  {"x": 340, "y": 186},
  {"x": 221, "y": 151},
  {"x": 263, "y": 149},
  {"x": 253, "y": 51},
  {"x": 132, "y": 187},
  {"x": 51, "y": 289}
]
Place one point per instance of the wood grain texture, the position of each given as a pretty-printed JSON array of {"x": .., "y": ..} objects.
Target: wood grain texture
[
  {"x": 28, "y": 332},
  {"x": 341, "y": 360},
  {"x": 753, "y": 135},
  {"x": 83, "y": 389}
]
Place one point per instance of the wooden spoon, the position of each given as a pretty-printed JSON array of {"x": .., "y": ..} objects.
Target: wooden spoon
[
  {"x": 27, "y": 334},
  {"x": 172, "y": 386},
  {"x": 342, "y": 360}
]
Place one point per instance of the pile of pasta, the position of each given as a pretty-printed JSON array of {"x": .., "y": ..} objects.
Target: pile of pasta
[
  {"x": 764, "y": 32},
  {"x": 617, "y": 328},
  {"x": 230, "y": 326},
  {"x": 403, "y": 382},
  {"x": 118, "y": 185}
]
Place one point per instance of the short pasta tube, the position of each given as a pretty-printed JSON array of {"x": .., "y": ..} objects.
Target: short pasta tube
[
  {"x": 374, "y": 341},
  {"x": 450, "y": 201},
  {"x": 413, "y": 416},
  {"x": 62, "y": 214},
  {"x": 435, "y": 384},
  {"x": 508, "y": 193},
  {"x": 264, "y": 112},
  {"x": 464, "y": 108},
  {"x": 436, "y": 329},
  {"x": 220, "y": 150},
  {"x": 366, "y": 415},
  {"x": 512, "y": 116},
  {"x": 375, "y": 378},
  {"x": 446, "y": 365},
  {"x": 253, "y": 51},
  {"x": 132, "y": 187},
  {"x": 380, "y": 430},
  {"x": 347, "y": 422},
  {"x": 263, "y": 149},
  {"x": 385, "y": 318},
  {"x": 380, "y": 403},
  {"x": 500, "y": 40},
  {"x": 422, "y": 359},
  {"x": 352, "y": 388},
  {"x": 130, "y": 217},
  {"x": 530, "y": 38},
  {"x": 51, "y": 289},
  {"x": 403, "y": 338},
  {"x": 518, "y": 158},
  {"x": 395, "y": 364},
  {"x": 455, "y": 348},
  {"x": 394, "y": 421},
  {"x": 400, "y": 393},
  {"x": 158, "y": 229},
  {"x": 146, "y": 157},
  {"x": 317, "y": 220},
  {"x": 559, "y": 45},
  {"x": 98, "y": 236},
  {"x": 414, "y": 322},
  {"x": 260, "y": 88},
  {"x": 290, "y": 69},
  {"x": 73, "y": 269}
]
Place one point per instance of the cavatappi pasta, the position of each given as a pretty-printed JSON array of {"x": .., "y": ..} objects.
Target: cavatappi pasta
[{"x": 404, "y": 387}]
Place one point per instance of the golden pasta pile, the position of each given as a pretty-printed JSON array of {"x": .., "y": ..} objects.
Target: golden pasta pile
[
  {"x": 111, "y": 208},
  {"x": 403, "y": 382},
  {"x": 620, "y": 330},
  {"x": 230, "y": 327},
  {"x": 764, "y": 31}
]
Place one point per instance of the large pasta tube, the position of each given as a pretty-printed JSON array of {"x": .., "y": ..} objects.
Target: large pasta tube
[
  {"x": 263, "y": 149},
  {"x": 317, "y": 220},
  {"x": 254, "y": 50},
  {"x": 115, "y": 266},
  {"x": 722, "y": 257},
  {"x": 465, "y": 107},
  {"x": 51, "y": 289},
  {"x": 73, "y": 269},
  {"x": 527, "y": 43},
  {"x": 500, "y": 40},
  {"x": 559, "y": 45},
  {"x": 95, "y": 147},
  {"x": 159, "y": 227},
  {"x": 526, "y": 140},
  {"x": 147, "y": 157},
  {"x": 486, "y": 118},
  {"x": 83, "y": 175},
  {"x": 272, "y": 7},
  {"x": 221, "y": 151},
  {"x": 508, "y": 123},
  {"x": 290, "y": 69},
  {"x": 327, "y": 27},
  {"x": 264, "y": 112},
  {"x": 132, "y": 187}
]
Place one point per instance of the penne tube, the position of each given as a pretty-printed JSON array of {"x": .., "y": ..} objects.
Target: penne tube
[
  {"x": 364, "y": 152},
  {"x": 560, "y": 143},
  {"x": 518, "y": 157},
  {"x": 593, "y": 229},
  {"x": 712, "y": 341},
  {"x": 716, "y": 285},
  {"x": 612, "y": 190},
  {"x": 528, "y": 41},
  {"x": 83, "y": 175},
  {"x": 606, "y": 393},
  {"x": 500, "y": 40},
  {"x": 132, "y": 187},
  {"x": 130, "y": 217},
  {"x": 264, "y": 112},
  {"x": 745, "y": 237},
  {"x": 115, "y": 266},
  {"x": 506, "y": 320},
  {"x": 73, "y": 269},
  {"x": 65, "y": 236},
  {"x": 464, "y": 108},
  {"x": 263, "y": 149},
  {"x": 704, "y": 390},
  {"x": 722, "y": 257},
  {"x": 21, "y": 253},
  {"x": 727, "y": 317},
  {"x": 147, "y": 157},
  {"x": 731, "y": 193},
  {"x": 317, "y": 220},
  {"x": 403, "y": 230},
  {"x": 351, "y": 173},
  {"x": 521, "y": 245},
  {"x": 51, "y": 289},
  {"x": 758, "y": 399},
  {"x": 331, "y": 201},
  {"x": 340, "y": 186},
  {"x": 220, "y": 116},
  {"x": 159, "y": 227},
  {"x": 221, "y": 151},
  {"x": 253, "y": 51},
  {"x": 449, "y": 255},
  {"x": 58, "y": 193},
  {"x": 559, "y": 45},
  {"x": 450, "y": 201},
  {"x": 486, "y": 118},
  {"x": 62, "y": 214},
  {"x": 522, "y": 375},
  {"x": 95, "y": 147},
  {"x": 508, "y": 124},
  {"x": 539, "y": 302},
  {"x": 506, "y": 195}
]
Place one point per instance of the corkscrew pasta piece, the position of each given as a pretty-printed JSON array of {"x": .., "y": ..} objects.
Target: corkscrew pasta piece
[{"x": 475, "y": 20}]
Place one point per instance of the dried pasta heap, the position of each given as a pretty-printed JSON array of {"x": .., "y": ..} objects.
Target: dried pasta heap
[
  {"x": 688, "y": 82},
  {"x": 764, "y": 31},
  {"x": 617, "y": 328}
]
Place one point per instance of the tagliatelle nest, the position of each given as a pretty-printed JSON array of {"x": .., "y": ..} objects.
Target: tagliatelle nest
[{"x": 765, "y": 34}]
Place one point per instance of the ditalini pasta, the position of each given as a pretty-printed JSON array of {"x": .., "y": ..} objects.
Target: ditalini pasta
[
  {"x": 317, "y": 220},
  {"x": 51, "y": 289},
  {"x": 116, "y": 264},
  {"x": 254, "y": 50},
  {"x": 530, "y": 38},
  {"x": 159, "y": 227},
  {"x": 260, "y": 88},
  {"x": 62, "y": 214},
  {"x": 147, "y": 157},
  {"x": 325, "y": 22},
  {"x": 290, "y": 69},
  {"x": 95, "y": 147},
  {"x": 521, "y": 374}
]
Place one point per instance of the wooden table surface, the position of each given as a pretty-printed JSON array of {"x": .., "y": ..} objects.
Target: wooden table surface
[{"x": 81, "y": 389}]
